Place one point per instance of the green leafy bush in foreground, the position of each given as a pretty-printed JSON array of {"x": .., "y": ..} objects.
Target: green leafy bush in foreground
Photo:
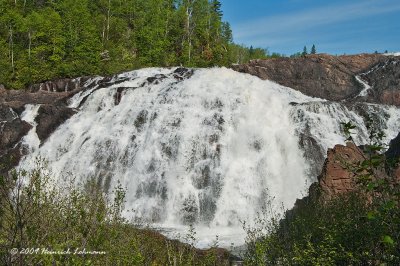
[
  {"x": 338, "y": 232},
  {"x": 39, "y": 216}
]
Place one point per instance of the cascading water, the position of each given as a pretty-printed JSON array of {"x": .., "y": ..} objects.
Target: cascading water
[
  {"x": 31, "y": 140},
  {"x": 199, "y": 146}
]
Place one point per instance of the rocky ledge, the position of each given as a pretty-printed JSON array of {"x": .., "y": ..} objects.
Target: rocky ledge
[
  {"x": 334, "y": 78},
  {"x": 52, "y": 97}
]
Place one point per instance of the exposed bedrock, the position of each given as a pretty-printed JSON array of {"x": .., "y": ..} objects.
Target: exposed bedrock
[{"x": 334, "y": 77}]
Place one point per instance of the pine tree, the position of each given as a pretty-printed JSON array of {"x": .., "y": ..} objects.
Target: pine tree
[
  {"x": 313, "y": 50},
  {"x": 251, "y": 51},
  {"x": 305, "y": 52}
]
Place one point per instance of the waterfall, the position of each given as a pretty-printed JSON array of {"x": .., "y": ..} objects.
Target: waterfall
[{"x": 203, "y": 146}]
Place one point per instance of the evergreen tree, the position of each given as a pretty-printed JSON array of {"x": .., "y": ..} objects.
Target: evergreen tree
[
  {"x": 251, "y": 51},
  {"x": 305, "y": 52},
  {"x": 313, "y": 50}
]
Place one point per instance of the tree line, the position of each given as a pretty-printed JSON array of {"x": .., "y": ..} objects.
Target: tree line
[{"x": 46, "y": 39}]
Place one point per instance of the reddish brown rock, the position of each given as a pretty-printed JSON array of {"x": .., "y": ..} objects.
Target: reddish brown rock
[
  {"x": 336, "y": 176},
  {"x": 333, "y": 77},
  {"x": 324, "y": 76},
  {"x": 390, "y": 97}
]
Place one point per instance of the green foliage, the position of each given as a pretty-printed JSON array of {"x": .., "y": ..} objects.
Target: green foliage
[
  {"x": 337, "y": 232},
  {"x": 39, "y": 214},
  {"x": 240, "y": 54},
  {"x": 42, "y": 40}
]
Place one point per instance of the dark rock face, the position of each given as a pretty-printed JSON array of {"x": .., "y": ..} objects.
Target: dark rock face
[
  {"x": 333, "y": 77},
  {"x": 12, "y": 129},
  {"x": 59, "y": 85},
  {"x": 17, "y": 99},
  {"x": 384, "y": 78},
  {"x": 313, "y": 153},
  {"x": 394, "y": 148},
  {"x": 49, "y": 118},
  {"x": 53, "y": 112}
]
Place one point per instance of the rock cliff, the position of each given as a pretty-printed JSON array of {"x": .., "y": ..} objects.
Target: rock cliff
[
  {"x": 334, "y": 78},
  {"x": 52, "y": 97}
]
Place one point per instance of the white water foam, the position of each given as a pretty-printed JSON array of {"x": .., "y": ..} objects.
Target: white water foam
[
  {"x": 201, "y": 150},
  {"x": 392, "y": 54},
  {"x": 31, "y": 140},
  {"x": 367, "y": 87}
]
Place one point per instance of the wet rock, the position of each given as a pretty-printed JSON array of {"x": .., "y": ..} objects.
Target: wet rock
[
  {"x": 394, "y": 148},
  {"x": 12, "y": 130},
  {"x": 182, "y": 73},
  {"x": 141, "y": 119},
  {"x": 393, "y": 157},
  {"x": 49, "y": 118},
  {"x": 51, "y": 95},
  {"x": 312, "y": 153},
  {"x": 156, "y": 79},
  {"x": 118, "y": 95},
  {"x": 189, "y": 211}
]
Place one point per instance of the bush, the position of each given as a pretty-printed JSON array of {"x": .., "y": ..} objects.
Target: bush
[{"x": 40, "y": 215}]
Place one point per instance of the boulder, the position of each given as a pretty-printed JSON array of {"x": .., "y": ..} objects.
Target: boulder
[
  {"x": 336, "y": 176},
  {"x": 49, "y": 118},
  {"x": 12, "y": 128}
]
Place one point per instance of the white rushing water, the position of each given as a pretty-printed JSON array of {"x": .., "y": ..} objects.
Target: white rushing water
[
  {"x": 367, "y": 87},
  {"x": 201, "y": 149},
  {"x": 31, "y": 140}
]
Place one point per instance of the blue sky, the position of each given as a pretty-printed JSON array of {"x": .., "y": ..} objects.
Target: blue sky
[{"x": 334, "y": 26}]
